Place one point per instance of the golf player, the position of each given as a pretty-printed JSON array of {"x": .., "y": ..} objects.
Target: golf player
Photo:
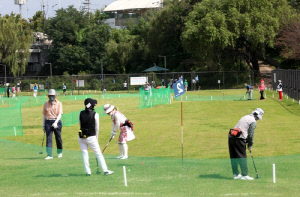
[
  {"x": 126, "y": 133},
  {"x": 88, "y": 137},
  {"x": 35, "y": 88},
  {"x": 237, "y": 144},
  {"x": 52, "y": 112},
  {"x": 249, "y": 90}
]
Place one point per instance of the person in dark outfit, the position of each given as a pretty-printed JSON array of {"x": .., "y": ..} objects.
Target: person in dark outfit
[
  {"x": 88, "y": 137},
  {"x": 237, "y": 144}
]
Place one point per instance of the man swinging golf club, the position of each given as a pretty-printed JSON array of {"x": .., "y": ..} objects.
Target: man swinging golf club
[
  {"x": 52, "y": 112},
  {"x": 238, "y": 138}
]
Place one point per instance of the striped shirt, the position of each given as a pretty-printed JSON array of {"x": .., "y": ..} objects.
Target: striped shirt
[{"x": 52, "y": 111}]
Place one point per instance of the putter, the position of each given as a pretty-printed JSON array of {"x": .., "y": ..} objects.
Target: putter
[
  {"x": 42, "y": 143},
  {"x": 107, "y": 144},
  {"x": 257, "y": 177},
  {"x": 98, "y": 172}
]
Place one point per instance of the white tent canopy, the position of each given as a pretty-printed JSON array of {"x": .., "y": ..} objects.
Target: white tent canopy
[{"x": 132, "y": 4}]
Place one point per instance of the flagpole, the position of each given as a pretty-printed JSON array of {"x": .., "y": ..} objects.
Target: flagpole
[{"x": 181, "y": 134}]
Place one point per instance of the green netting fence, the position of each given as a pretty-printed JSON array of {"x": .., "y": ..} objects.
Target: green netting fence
[
  {"x": 72, "y": 118},
  {"x": 152, "y": 97},
  {"x": 11, "y": 119},
  {"x": 2, "y": 91},
  {"x": 25, "y": 101},
  {"x": 236, "y": 97}
]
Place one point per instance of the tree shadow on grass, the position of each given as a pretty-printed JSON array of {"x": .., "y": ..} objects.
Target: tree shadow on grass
[{"x": 213, "y": 176}]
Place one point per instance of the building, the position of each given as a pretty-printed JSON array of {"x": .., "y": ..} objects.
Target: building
[{"x": 122, "y": 10}]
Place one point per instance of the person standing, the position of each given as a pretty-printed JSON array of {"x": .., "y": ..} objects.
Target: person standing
[
  {"x": 64, "y": 89},
  {"x": 241, "y": 136},
  {"x": 88, "y": 137},
  {"x": 279, "y": 89},
  {"x": 13, "y": 89},
  {"x": 119, "y": 121},
  {"x": 52, "y": 112},
  {"x": 185, "y": 85},
  {"x": 125, "y": 85},
  {"x": 249, "y": 91},
  {"x": 261, "y": 88},
  {"x": 8, "y": 91},
  {"x": 35, "y": 88}
]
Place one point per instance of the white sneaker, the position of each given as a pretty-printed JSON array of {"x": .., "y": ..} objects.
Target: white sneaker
[
  {"x": 48, "y": 157},
  {"x": 59, "y": 155},
  {"x": 108, "y": 172},
  {"x": 124, "y": 157},
  {"x": 247, "y": 178},
  {"x": 119, "y": 157},
  {"x": 237, "y": 176}
]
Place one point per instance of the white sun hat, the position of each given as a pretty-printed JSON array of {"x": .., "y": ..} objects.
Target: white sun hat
[
  {"x": 108, "y": 108},
  {"x": 258, "y": 112},
  {"x": 52, "y": 92}
]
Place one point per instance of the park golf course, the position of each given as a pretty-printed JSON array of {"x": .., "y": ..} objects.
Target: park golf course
[{"x": 155, "y": 166}]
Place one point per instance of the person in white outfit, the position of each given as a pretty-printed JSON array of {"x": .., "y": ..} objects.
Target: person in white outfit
[
  {"x": 88, "y": 137},
  {"x": 119, "y": 121}
]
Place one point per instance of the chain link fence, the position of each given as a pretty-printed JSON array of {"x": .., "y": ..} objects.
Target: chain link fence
[
  {"x": 290, "y": 80},
  {"x": 115, "y": 82}
]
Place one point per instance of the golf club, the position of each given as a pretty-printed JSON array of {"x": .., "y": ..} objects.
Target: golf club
[
  {"x": 257, "y": 177},
  {"x": 42, "y": 143},
  {"x": 107, "y": 144},
  {"x": 98, "y": 172}
]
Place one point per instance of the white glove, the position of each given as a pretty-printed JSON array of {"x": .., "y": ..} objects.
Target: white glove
[
  {"x": 112, "y": 134},
  {"x": 54, "y": 125}
]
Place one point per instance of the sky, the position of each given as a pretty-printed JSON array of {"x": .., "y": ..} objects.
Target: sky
[{"x": 32, "y": 6}]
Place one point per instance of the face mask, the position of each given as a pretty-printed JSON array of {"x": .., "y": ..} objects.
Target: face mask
[{"x": 51, "y": 98}]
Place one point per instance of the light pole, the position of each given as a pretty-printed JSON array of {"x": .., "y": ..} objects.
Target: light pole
[
  {"x": 52, "y": 9},
  {"x": 50, "y": 73},
  {"x": 165, "y": 61}
]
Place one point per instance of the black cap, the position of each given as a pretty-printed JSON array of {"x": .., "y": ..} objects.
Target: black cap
[{"x": 90, "y": 101}]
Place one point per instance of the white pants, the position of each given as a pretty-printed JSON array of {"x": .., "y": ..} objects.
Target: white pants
[
  {"x": 34, "y": 93},
  {"x": 93, "y": 143}
]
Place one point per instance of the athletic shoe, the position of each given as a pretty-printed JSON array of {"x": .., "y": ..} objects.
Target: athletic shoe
[
  {"x": 59, "y": 155},
  {"x": 119, "y": 157},
  {"x": 108, "y": 172},
  {"x": 124, "y": 157},
  {"x": 237, "y": 176},
  {"x": 48, "y": 157},
  {"x": 247, "y": 178}
]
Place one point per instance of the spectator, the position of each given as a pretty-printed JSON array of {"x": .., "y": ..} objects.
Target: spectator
[
  {"x": 279, "y": 89},
  {"x": 261, "y": 88}
]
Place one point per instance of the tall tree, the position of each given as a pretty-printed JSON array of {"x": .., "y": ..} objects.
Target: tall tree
[
  {"x": 37, "y": 22},
  {"x": 15, "y": 41},
  {"x": 78, "y": 41},
  {"x": 241, "y": 26}
]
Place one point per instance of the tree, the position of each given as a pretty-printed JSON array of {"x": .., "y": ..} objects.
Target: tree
[
  {"x": 37, "y": 22},
  {"x": 79, "y": 45},
  {"x": 15, "y": 41},
  {"x": 240, "y": 26}
]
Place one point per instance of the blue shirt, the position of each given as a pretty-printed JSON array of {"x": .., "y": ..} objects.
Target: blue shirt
[
  {"x": 248, "y": 87},
  {"x": 35, "y": 87}
]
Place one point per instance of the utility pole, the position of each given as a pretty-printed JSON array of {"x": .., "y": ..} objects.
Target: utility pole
[
  {"x": 44, "y": 16},
  {"x": 165, "y": 61},
  {"x": 88, "y": 3}
]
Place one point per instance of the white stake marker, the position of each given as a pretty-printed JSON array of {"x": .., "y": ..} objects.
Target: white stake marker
[
  {"x": 274, "y": 175},
  {"x": 15, "y": 131},
  {"x": 125, "y": 179}
]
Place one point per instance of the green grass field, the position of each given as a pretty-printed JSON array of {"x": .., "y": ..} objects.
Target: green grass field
[{"x": 155, "y": 167}]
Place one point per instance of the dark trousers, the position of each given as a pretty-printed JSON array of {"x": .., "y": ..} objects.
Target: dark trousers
[
  {"x": 49, "y": 134},
  {"x": 261, "y": 94},
  {"x": 238, "y": 155}
]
